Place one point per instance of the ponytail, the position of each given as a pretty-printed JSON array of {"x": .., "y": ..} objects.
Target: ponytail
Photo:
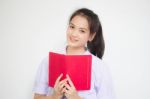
[{"x": 97, "y": 45}]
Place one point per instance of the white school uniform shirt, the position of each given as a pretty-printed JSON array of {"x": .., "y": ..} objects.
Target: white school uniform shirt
[{"x": 101, "y": 81}]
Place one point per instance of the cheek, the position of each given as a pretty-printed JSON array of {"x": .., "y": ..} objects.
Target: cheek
[
  {"x": 68, "y": 32},
  {"x": 84, "y": 38},
  {"x": 68, "y": 29}
]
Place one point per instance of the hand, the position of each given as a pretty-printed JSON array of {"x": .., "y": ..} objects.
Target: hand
[
  {"x": 70, "y": 90},
  {"x": 58, "y": 87}
]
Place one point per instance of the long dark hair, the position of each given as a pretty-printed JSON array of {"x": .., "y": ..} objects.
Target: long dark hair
[{"x": 97, "y": 45}]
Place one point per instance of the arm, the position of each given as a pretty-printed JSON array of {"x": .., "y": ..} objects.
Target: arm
[
  {"x": 41, "y": 82},
  {"x": 104, "y": 85},
  {"x": 57, "y": 94},
  {"x": 40, "y": 96}
]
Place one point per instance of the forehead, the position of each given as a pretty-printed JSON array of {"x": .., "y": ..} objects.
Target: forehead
[{"x": 80, "y": 21}]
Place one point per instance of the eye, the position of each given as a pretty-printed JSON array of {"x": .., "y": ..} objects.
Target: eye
[
  {"x": 72, "y": 27},
  {"x": 82, "y": 31}
]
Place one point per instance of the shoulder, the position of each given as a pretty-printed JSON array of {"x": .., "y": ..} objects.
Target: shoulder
[
  {"x": 44, "y": 61},
  {"x": 97, "y": 62}
]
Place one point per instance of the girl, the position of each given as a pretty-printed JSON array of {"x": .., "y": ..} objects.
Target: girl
[{"x": 84, "y": 36}]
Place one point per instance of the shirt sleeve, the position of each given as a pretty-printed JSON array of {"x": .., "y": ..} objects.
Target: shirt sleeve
[
  {"x": 104, "y": 84},
  {"x": 41, "y": 80}
]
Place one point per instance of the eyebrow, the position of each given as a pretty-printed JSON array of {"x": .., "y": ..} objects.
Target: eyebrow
[{"x": 75, "y": 25}]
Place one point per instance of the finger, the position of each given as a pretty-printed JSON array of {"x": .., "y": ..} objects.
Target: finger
[
  {"x": 58, "y": 79},
  {"x": 66, "y": 91},
  {"x": 63, "y": 90},
  {"x": 62, "y": 83},
  {"x": 70, "y": 82},
  {"x": 67, "y": 87}
]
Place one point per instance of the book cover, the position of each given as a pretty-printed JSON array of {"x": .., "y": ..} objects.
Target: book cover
[{"x": 78, "y": 67}]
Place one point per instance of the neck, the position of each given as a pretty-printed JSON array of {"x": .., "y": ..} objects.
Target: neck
[{"x": 75, "y": 50}]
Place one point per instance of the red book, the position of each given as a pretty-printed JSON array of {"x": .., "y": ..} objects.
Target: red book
[{"x": 78, "y": 67}]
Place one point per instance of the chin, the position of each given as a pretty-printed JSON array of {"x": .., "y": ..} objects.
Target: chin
[{"x": 73, "y": 45}]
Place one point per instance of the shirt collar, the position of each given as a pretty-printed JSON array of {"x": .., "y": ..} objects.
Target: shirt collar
[{"x": 85, "y": 53}]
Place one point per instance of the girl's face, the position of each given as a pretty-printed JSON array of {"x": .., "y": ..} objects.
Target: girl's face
[{"x": 78, "y": 32}]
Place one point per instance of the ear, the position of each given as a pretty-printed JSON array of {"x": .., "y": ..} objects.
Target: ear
[{"x": 92, "y": 37}]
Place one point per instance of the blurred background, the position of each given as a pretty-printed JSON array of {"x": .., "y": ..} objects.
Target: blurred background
[{"x": 29, "y": 29}]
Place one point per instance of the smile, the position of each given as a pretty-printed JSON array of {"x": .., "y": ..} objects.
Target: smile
[{"x": 72, "y": 39}]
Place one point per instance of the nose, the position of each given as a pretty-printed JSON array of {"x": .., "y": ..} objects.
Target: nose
[{"x": 74, "y": 33}]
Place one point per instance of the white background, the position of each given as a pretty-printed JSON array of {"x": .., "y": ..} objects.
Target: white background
[{"x": 29, "y": 29}]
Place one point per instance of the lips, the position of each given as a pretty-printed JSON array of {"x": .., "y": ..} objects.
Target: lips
[{"x": 73, "y": 39}]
